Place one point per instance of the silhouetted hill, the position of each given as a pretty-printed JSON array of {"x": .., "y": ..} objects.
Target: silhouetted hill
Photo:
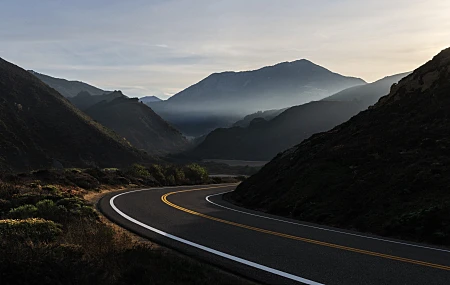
[
  {"x": 149, "y": 99},
  {"x": 262, "y": 139},
  {"x": 85, "y": 100},
  {"x": 40, "y": 128},
  {"x": 266, "y": 115},
  {"x": 68, "y": 88},
  {"x": 386, "y": 170},
  {"x": 368, "y": 94},
  {"x": 138, "y": 124},
  {"x": 222, "y": 98}
]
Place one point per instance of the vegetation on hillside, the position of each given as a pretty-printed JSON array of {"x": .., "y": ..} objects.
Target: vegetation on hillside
[
  {"x": 49, "y": 234},
  {"x": 385, "y": 171}
]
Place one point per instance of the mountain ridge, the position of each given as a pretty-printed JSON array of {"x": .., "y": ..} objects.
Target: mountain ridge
[
  {"x": 223, "y": 98},
  {"x": 67, "y": 88}
]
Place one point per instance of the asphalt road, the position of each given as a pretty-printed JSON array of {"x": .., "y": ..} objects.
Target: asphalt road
[{"x": 267, "y": 248}]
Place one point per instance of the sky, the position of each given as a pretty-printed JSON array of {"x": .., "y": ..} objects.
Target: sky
[{"x": 161, "y": 47}]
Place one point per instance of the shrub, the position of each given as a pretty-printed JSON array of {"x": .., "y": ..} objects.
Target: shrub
[
  {"x": 7, "y": 190},
  {"x": 174, "y": 175},
  {"x": 35, "y": 230},
  {"x": 83, "y": 180},
  {"x": 32, "y": 198},
  {"x": 157, "y": 172},
  {"x": 196, "y": 174},
  {"x": 51, "y": 189},
  {"x": 23, "y": 212},
  {"x": 47, "y": 209},
  {"x": 139, "y": 171}
]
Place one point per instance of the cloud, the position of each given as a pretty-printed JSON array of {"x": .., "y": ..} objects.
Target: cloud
[{"x": 162, "y": 47}]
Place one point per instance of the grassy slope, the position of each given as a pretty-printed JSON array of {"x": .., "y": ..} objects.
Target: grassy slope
[
  {"x": 38, "y": 125},
  {"x": 81, "y": 248},
  {"x": 385, "y": 171}
]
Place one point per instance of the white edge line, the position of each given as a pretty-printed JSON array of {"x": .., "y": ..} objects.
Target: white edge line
[
  {"x": 320, "y": 228},
  {"x": 207, "y": 249}
]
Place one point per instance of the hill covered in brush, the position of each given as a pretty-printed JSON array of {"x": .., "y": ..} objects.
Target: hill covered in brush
[{"x": 386, "y": 170}]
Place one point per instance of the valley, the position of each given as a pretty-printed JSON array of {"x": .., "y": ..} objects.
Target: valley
[{"x": 224, "y": 142}]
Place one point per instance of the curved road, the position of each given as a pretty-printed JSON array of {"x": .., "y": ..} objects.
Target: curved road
[{"x": 273, "y": 250}]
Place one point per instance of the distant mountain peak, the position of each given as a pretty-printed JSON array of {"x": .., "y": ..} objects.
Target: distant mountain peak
[{"x": 149, "y": 99}]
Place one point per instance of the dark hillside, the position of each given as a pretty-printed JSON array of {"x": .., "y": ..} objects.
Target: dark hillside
[
  {"x": 68, "y": 88},
  {"x": 262, "y": 139},
  {"x": 137, "y": 122},
  {"x": 85, "y": 100},
  {"x": 40, "y": 128},
  {"x": 386, "y": 170}
]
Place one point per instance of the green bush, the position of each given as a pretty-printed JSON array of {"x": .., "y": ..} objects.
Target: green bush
[
  {"x": 157, "y": 172},
  {"x": 8, "y": 190},
  {"x": 196, "y": 174},
  {"x": 174, "y": 175},
  {"x": 23, "y": 212},
  {"x": 51, "y": 189},
  {"x": 35, "y": 230},
  {"x": 138, "y": 171}
]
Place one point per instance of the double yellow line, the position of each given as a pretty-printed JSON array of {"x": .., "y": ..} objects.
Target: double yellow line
[{"x": 361, "y": 251}]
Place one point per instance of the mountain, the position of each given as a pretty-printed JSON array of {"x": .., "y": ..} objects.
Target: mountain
[
  {"x": 137, "y": 122},
  {"x": 67, "y": 88},
  {"x": 386, "y": 170},
  {"x": 223, "y": 98},
  {"x": 40, "y": 128},
  {"x": 149, "y": 99},
  {"x": 262, "y": 139},
  {"x": 85, "y": 100},
  {"x": 261, "y": 135},
  {"x": 370, "y": 93}
]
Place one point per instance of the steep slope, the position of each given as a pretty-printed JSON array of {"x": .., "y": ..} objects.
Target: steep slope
[
  {"x": 138, "y": 124},
  {"x": 386, "y": 170},
  {"x": 368, "y": 94},
  {"x": 85, "y": 100},
  {"x": 262, "y": 139},
  {"x": 40, "y": 128},
  {"x": 67, "y": 88},
  {"x": 222, "y": 98}
]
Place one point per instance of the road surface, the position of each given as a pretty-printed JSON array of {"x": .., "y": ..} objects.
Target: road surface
[{"x": 273, "y": 250}]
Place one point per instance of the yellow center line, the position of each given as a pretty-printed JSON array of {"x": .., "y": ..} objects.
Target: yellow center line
[{"x": 321, "y": 243}]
